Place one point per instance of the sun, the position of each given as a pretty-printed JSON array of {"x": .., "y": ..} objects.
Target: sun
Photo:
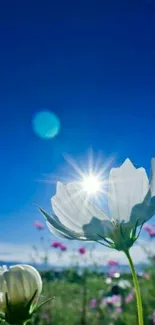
[
  {"x": 91, "y": 184},
  {"x": 91, "y": 176}
]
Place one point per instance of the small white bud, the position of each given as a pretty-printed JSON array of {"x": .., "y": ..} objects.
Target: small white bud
[{"x": 20, "y": 288}]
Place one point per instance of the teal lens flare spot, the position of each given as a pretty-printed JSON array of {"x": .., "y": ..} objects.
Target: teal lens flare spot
[{"x": 46, "y": 124}]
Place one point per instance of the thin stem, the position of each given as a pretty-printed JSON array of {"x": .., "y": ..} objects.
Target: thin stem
[
  {"x": 137, "y": 288},
  {"x": 84, "y": 303}
]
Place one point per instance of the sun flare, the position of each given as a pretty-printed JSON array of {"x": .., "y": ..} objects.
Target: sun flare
[{"x": 91, "y": 184}]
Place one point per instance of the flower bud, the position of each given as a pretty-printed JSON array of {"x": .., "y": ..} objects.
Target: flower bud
[{"x": 20, "y": 288}]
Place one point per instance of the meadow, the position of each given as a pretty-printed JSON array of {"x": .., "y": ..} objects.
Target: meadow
[
  {"x": 95, "y": 298},
  {"x": 90, "y": 296}
]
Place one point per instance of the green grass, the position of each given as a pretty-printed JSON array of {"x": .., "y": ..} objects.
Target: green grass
[{"x": 72, "y": 295}]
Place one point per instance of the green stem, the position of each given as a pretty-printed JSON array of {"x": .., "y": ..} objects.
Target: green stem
[{"x": 137, "y": 288}]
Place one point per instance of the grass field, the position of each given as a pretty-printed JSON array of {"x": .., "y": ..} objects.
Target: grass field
[{"x": 95, "y": 299}]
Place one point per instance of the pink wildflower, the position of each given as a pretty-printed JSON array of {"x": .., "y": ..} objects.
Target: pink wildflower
[
  {"x": 147, "y": 227},
  {"x": 113, "y": 263},
  {"x": 38, "y": 225},
  {"x": 152, "y": 233},
  {"x": 129, "y": 297},
  {"x": 63, "y": 247},
  {"x": 82, "y": 250},
  {"x": 114, "y": 300},
  {"x": 55, "y": 244},
  {"x": 113, "y": 273},
  {"x": 93, "y": 303},
  {"x": 119, "y": 310},
  {"x": 150, "y": 230}
]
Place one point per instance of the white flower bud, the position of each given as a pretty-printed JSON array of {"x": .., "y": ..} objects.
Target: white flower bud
[{"x": 20, "y": 288}]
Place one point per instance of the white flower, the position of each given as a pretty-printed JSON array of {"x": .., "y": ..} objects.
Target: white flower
[
  {"x": 131, "y": 203},
  {"x": 124, "y": 284},
  {"x": 2, "y": 269},
  {"x": 20, "y": 288},
  {"x": 108, "y": 280}
]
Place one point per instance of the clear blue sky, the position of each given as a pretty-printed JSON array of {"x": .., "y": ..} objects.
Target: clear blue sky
[{"x": 93, "y": 64}]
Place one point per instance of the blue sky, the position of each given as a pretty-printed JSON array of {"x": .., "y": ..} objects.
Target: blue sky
[{"x": 91, "y": 63}]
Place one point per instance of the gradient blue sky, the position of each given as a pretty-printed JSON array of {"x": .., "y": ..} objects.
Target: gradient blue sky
[{"x": 93, "y": 64}]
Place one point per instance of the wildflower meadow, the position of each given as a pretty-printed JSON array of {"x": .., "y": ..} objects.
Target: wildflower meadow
[
  {"x": 77, "y": 163},
  {"x": 82, "y": 291},
  {"x": 89, "y": 295}
]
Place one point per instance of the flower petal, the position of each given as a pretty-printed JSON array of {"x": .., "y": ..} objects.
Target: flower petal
[
  {"x": 72, "y": 208},
  {"x": 145, "y": 210},
  {"x": 93, "y": 230},
  {"x": 3, "y": 290},
  {"x": 97, "y": 229},
  {"x": 15, "y": 289},
  {"x": 152, "y": 178},
  {"x": 128, "y": 187},
  {"x": 59, "y": 229},
  {"x": 64, "y": 234},
  {"x": 31, "y": 276},
  {"x": 56, "y": 232}
]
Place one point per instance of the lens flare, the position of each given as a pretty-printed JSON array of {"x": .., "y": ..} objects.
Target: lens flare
[
  {"x": 46, "y": 124},
  {"x": 91, "y": 184},
  {"x": 91, "y": 176}
]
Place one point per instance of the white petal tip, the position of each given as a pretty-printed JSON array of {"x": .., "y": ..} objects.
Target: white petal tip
[
  {"x": 153, "y": 160},
  {"x": 59, "y": 185},
  {"x": 127, "y": 162}
]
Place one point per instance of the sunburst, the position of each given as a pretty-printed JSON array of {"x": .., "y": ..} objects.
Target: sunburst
[{"x": 91, "y": 177}]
